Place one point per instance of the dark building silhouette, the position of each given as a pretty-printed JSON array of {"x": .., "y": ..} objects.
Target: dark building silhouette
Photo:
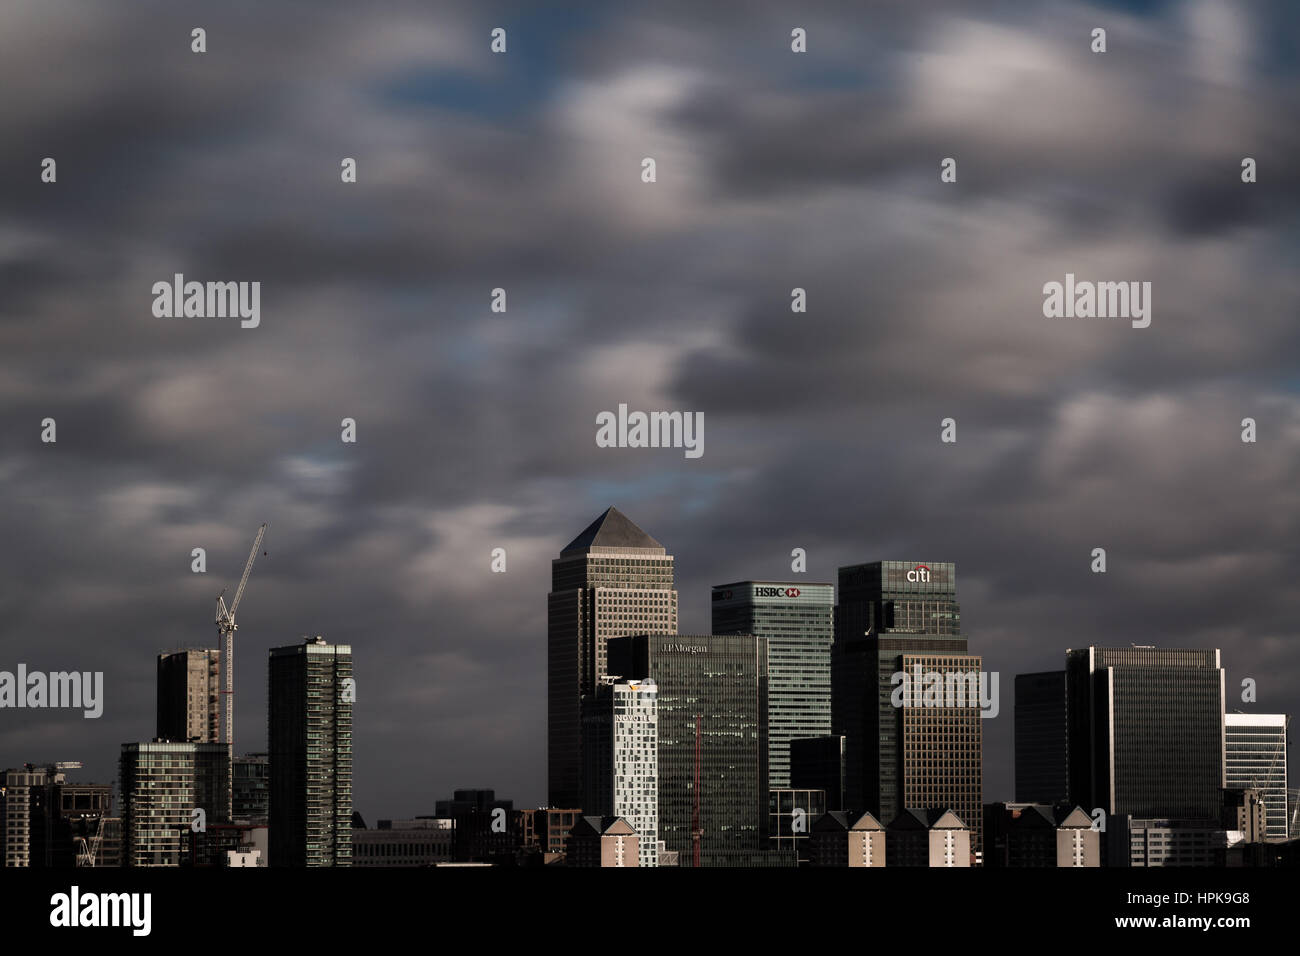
[
  {"x": 817, "y": 763},
  {"x": 1041, "y": 738},
  {"x": 487, "y": 830},
  {"x": 1039, "y": 834},
  {"x": 1146, "y": 731}
]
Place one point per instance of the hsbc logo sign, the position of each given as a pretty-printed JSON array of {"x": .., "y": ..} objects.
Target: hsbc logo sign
[
  {"x": 776, "y": 592},
  {"x": 919, "y": 575}
]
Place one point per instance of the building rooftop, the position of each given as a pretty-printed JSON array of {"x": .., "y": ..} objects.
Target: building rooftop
[{"x": 612, "y": 529}]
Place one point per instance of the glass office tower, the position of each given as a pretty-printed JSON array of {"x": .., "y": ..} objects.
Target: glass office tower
[
  {"x": 893, "y": 617},
  {"x": 798, "y": 622},
  {"x": 1146, "y": 731},
  {"x": 1255, "y": 759},
  {"x": 712, "y": 692}
]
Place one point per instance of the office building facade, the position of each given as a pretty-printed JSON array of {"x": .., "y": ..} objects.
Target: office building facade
[
  {"x": 902, "y": 618},
  {"x": 798, "y": 622},
  {"x": 1146, "y": 731},
  {"x": 612, "y": 579},
  {"x": 1255, "y": 759},
  {"x": 711, "y": 695},
  {"x": 309, "y": 714}
]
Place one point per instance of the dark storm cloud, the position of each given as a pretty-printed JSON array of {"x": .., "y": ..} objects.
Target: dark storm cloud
[{"x": 476, "y": 429}]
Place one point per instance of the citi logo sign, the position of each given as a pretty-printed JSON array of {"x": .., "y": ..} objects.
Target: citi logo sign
[
  {"x": 919, "y": 575},
  {"x": 776, "y": 592}
]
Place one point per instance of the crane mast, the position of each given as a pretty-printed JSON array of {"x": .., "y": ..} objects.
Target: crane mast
[{"x": 226, "y": 628}]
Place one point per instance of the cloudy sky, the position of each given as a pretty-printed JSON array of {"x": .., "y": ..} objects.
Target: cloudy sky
[{"x": 476, "y": 429}]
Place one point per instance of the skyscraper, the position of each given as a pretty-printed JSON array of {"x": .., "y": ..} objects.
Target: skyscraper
[
  {"x": 162, "y": 784},
  {"x": 310, "y": 734},
  {"x": 189, "y": 694},
  {"x": 712, "y": 693},
  {"x": 1041, "y": 762},
  {"x": 1255, "y": 759},
  {"x": 612, "y": 579},
  {"x": 621, "y": 759},
  {"x": 1146, "y": 731},
  {"x": 798, "y": 622},
  {"x": 901, "y": 617}
]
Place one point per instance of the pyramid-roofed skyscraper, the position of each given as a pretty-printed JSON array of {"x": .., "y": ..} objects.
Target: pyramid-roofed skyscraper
[{"x": 612, "y": 579}]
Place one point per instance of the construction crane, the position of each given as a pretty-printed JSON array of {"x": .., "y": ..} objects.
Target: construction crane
[
  {"x": 226, "y": 628},
  {"x": 88, "y": 850}
]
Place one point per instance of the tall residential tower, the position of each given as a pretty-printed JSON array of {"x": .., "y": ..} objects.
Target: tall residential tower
[
  {"x": 621, "y": 752},
  {"x": 310, "y": 754},
  {"x": 189, "y": 694}
]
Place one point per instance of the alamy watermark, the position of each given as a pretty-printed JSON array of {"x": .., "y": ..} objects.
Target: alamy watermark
[
  {"x": 922, "y": 688},
  {"x": 55, "y": 689},
  {"x": 77, "y": 909},
  {"x": 651, "y": 430},
  {"x": 210, "y": 300},
  {"x": 1103, "y": 300}
]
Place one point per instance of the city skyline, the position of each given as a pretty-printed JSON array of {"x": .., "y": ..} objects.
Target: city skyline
[
  {"x": 86, "y": 775},
  {"x": 479, "y": 429}
]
